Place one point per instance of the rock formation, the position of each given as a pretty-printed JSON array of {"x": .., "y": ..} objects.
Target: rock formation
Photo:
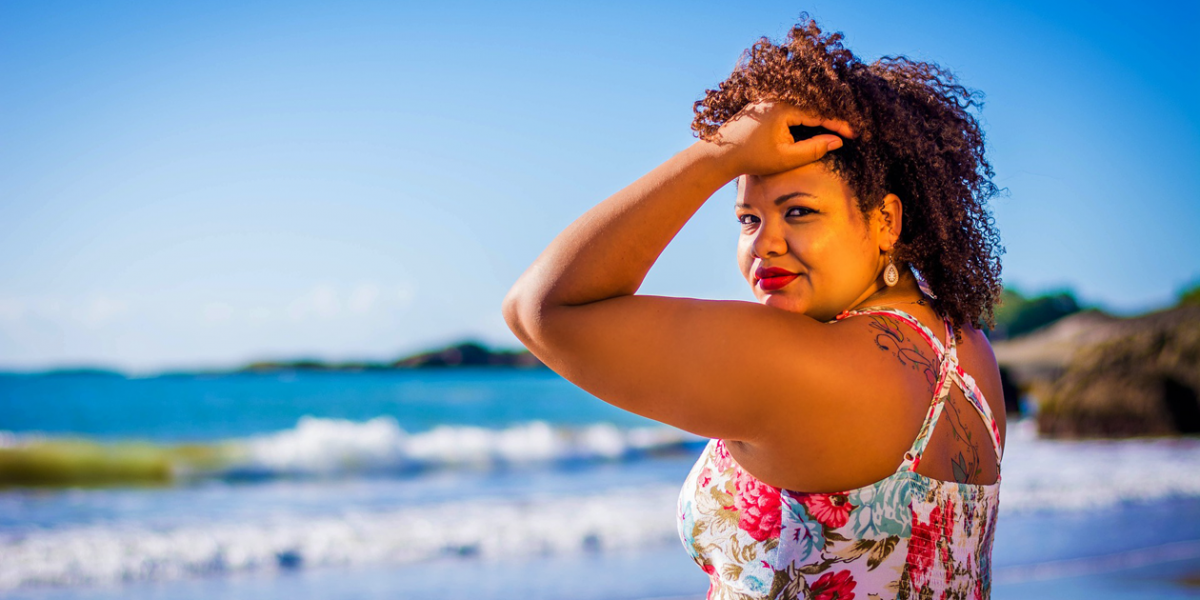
[{"x": 1118, "y": 377}]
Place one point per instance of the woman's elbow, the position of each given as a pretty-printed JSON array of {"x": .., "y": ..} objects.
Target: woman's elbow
[
  {"x": 532, "y": 319},
  {"x": 522, "y": 314},
  {"x": 511, "y": 309}
]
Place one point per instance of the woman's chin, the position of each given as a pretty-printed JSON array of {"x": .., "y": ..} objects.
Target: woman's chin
[{"x": 783, "y": 302}]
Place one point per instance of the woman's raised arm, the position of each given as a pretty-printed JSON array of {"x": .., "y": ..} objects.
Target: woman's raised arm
[{"x": 681, "y": 361}]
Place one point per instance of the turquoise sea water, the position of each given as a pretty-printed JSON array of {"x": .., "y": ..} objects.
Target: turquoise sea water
[
  {"x": 484, "y": 484},
  {"x": 187, "y": 407}
]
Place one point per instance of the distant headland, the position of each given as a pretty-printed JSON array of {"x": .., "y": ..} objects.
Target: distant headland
[
  {"x": 463, "y": 354},
  {"x": 468, "y": 353}
]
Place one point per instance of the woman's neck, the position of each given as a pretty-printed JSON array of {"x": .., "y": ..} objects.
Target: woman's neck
[{"x": 907, "y": 290}]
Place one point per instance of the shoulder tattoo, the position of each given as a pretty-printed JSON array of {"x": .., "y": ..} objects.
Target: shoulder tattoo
[{"x": 891, "y": 337}]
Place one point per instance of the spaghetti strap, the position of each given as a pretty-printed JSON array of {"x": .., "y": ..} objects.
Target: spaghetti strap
[{"x": 949, "y": 371}]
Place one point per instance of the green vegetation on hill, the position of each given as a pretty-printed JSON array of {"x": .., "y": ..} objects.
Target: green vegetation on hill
[
  {"x": 1190, "y": 296},
  {"x": 469, "y": 354},
  {"x": 1017, "y": 314}
]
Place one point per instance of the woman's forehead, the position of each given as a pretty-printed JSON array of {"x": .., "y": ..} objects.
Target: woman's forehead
[{"x": 813, "y": 183}]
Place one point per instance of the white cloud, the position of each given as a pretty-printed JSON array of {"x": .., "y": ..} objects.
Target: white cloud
[
  {"x": 183, "y": 326},
  {"x": 404, "y": 295},
  {"x": 324, "y": 301},
  {"x": 217, "y": 312},
  {"x": 100, "y": 309},
  {"x": 321, "y": 301},
  {"x": 11, "y": 309},
  {"x": 363, "y": 298},
  {"x": 92, "y": 311}
]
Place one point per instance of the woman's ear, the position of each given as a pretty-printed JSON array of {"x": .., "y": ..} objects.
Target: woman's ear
[{"x": 890, "y": 223}]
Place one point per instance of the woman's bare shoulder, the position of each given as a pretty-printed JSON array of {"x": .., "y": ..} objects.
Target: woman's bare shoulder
[
  {"x": 877, "y": 404},
  {"x": 894, "y": 371}
]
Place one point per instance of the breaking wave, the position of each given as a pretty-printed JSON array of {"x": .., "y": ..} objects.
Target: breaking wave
[{"x": 326, "y": 447}]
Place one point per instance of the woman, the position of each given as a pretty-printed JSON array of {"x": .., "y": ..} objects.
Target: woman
[{"x": 826, "y": 476}]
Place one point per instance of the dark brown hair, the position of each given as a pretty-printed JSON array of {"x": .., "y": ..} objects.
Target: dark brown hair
[{"x": 915, "y": 138}]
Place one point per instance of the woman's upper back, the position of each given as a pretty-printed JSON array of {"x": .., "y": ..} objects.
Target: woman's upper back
[
  {"x": 897, "y": 370},
  {"x": 905, "y": 535}
]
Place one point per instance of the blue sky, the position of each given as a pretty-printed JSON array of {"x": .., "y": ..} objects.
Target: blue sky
[{"x": 202, "y": 184}]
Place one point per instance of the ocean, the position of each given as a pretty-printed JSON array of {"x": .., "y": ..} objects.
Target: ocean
[{"x": 471, "y": 483}]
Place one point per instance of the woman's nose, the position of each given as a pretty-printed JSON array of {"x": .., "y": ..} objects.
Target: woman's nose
[{"x": 768, "y": 241}]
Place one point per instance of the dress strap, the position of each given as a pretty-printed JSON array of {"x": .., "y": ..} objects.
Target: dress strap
[{"x": 948, "y": 371}]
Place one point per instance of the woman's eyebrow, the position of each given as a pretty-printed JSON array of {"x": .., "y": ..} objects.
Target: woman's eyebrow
[{"x": 780, "y": 200}]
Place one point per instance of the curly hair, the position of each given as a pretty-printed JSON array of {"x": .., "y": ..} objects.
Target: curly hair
[{"x": 915, "y": 138}]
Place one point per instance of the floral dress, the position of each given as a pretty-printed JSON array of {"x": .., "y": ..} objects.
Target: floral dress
[{"x": 905, "y": 536}]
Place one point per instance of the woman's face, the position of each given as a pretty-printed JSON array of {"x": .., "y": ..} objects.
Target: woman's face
[{"x": 806, "y": 221}]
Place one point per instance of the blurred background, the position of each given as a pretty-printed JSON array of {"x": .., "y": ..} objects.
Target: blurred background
[{"x": 252, "y": 256}]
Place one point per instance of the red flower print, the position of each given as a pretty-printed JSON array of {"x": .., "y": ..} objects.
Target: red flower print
[
  {"x": 705, "y": 477},
  {"x": 758, "y": 506},
  {"x": 948, "y": 520},
  {"x": 714, "y": 581},
  {"x": 834, "y": 586},
  {"x": 947, "y": 528},
  {"x": 721, "y": 458},
  {"x": 830, "y": 510},
  {"x": 922, "y": 545}
]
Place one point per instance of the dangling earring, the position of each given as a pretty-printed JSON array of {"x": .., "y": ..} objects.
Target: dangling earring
[{"x": 891, "y": 275}]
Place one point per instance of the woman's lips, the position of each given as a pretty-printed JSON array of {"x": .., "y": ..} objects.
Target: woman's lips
[{"x": 771, "y": 284}]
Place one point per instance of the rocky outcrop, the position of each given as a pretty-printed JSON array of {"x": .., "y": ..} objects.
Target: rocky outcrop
[
  {"x": 1122, "y": 377},
  {"x": 1041, "y": 356}
]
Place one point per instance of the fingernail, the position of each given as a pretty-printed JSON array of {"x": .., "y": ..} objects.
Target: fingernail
[{"x": 834, "y": 144}]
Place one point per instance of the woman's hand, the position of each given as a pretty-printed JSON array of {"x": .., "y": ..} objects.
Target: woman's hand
[{"x": 757, "y": 141}]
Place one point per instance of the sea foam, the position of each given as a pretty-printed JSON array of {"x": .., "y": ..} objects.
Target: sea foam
[
  {"x": 108, "y": 553},
  {"x": 1041, "y": 474},
  {"x": 326, "y": 446},
  {"x": 336, "y": 447}
]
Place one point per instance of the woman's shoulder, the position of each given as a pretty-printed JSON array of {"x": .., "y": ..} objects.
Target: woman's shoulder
[
  {"x": 895, "y": 372},
  {"x": 877, "y": 402}
]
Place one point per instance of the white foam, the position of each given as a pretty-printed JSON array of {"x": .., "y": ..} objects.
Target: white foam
[
  {"x": 623, "y": 519},
  {"x": 326, "y": 446},
  {"x": 1097, "y": 565},
  {"x": 1083, "y": 475}
]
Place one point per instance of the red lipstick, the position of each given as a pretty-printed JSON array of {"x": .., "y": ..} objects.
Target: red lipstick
[{"x": 773, "y": 278}]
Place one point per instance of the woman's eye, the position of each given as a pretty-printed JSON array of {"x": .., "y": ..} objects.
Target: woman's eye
[{"x": 795, "y": 211}]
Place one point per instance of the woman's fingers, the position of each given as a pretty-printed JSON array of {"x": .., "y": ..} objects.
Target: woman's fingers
[
  {"x": 811, "y": 149},
  {"x": 839, "y": 127},
  {"x": 799, "y": 116},
  {"x": 832, "y": 142}
]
